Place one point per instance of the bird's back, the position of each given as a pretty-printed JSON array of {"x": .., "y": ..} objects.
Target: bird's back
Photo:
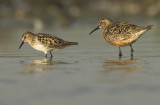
[
  {"x": 51, "y": 41},
  {"x": 124, "y": 33}
]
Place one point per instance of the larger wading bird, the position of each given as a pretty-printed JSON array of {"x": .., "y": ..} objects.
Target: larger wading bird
[{"x": 121, "y": 33}]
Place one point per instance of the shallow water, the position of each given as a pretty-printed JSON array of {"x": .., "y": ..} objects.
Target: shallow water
[{"x": 88, "y": 74}]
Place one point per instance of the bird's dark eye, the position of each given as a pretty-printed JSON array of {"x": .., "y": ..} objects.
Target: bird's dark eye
[
  {"x": 25, "y": 37},
  {"x": 100, "y": 22}
]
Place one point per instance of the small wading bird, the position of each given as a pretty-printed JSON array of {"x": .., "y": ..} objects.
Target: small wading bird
[
  {"x": 45, "y": 42},
  {"x": 121, "y": 33}
]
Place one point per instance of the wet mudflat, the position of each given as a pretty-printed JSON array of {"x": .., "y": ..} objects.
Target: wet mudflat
[{"x": 88, "y": 74}]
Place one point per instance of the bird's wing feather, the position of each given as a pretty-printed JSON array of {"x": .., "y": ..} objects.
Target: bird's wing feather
[
  {"x": 50, "y": 40},
  {"x": 121, "y": 31}
]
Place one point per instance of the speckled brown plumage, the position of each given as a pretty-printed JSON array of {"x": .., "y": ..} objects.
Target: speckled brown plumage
[
  {"x": 121, "y": 33},
  {"x": 45, "y": 42},
  {"x": 53, "y": 41}
]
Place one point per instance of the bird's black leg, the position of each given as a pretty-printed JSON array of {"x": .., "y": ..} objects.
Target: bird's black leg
[
  {"x": 120, "y": 53},
  {"x": 51, "y": 54},
  {"x": 131, "y": 50},
  {"x": 132, "y": 58},
  {"x": 45, "y": 55}
]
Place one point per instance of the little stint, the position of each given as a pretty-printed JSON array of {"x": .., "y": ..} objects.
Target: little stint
[{"x": 45, "y": 42}]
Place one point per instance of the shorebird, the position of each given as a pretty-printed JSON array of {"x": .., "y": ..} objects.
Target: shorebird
[
  {"x": 45, "y": 42},
  {"x": 121, "y": 33}
]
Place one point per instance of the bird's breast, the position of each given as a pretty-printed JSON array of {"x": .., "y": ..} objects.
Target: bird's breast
[
  {"x": 39, "y": 47},
  {"x": 117, "y": 42}
]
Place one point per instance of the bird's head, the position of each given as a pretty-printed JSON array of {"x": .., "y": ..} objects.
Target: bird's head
[
  {"x": 26, "y": 37},
  {"x": 103, "y": 24}
]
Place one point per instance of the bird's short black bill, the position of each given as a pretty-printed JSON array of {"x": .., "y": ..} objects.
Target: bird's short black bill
[
  {"x": 21, "y": 44},
  {"x": 94, "y": 30}
]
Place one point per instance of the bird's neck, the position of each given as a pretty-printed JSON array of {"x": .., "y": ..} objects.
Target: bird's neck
[
  {"x": 104, "y": 34},
  {"x": 32, "y": 40}
]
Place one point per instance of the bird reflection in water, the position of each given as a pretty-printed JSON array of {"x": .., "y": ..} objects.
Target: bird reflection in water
[
  {"x": 121, "y": 65},
  {"x": 41, "y": 65}
]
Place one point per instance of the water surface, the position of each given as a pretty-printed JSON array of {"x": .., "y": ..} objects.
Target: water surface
[{"x": 88, "y": 74}]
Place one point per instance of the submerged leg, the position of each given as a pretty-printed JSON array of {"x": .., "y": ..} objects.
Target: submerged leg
[
  {"x": 120, "y": 53},
  {"x": 45, "y": 55},
  {"x": 132, "y": 58},
  {"x": 131, "y": 50},
  {"x": 51, "y": 54}
]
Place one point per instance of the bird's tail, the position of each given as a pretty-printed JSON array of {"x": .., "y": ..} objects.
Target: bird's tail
[{"x": 148, "y": 27}]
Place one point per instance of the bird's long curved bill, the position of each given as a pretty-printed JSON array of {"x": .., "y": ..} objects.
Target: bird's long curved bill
[
  {"x": 21, "y": 44},
  {"x": 94, "y": 30}
]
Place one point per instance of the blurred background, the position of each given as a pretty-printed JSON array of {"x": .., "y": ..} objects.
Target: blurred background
[
  {"x": 48, "y": 13},
  {"x": 87, "y": 74}
]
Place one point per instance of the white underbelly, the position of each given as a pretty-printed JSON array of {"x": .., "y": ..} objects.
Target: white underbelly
[
  {"x": 40, "y": 47},
  {"x": 43, "y": 48}
]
